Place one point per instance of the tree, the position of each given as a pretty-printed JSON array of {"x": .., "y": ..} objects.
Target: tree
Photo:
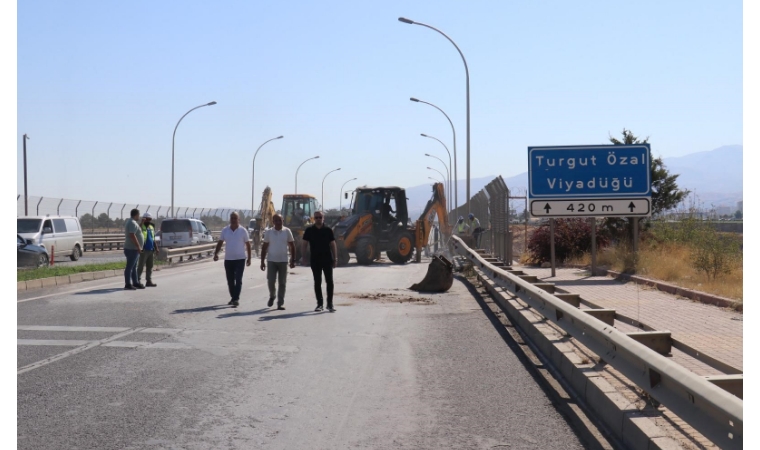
[
  {"x": 738, "y": 215},
  {"x": 665, "y": 192}
]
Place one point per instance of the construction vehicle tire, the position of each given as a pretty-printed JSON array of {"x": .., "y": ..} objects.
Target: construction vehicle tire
[
  {"x": 402, "y": 249},
  {"x": 366, "y": 251},
  {"x": 343, "y": 256},
  {"x": 439, "y": 277}
]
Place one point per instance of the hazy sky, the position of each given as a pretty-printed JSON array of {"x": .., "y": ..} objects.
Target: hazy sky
[{"x": 101, "y": 86}]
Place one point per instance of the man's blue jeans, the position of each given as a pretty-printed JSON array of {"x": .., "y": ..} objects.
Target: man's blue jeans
[
  {"x": 234, "y": 269},
  {"x": 131, "y": 270}
]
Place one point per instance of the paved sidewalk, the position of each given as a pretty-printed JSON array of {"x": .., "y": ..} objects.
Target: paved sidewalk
[{"x": 718, "y": 332}]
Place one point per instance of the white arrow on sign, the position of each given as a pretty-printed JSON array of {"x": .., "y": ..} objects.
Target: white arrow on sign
[{"x": 599, "y": 207}]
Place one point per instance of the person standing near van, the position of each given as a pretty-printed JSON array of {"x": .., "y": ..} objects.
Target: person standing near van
[
  {"x": 277, "y": 241},
  {"x": 324, "y": 257},
  {"x": 133, "y": 246},
  {"x": 238, "y": 243},
  {"x": 150, "y": 248}
]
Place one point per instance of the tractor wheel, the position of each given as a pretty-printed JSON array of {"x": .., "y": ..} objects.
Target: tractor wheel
[
  {"x": 366, "y": 251},
  {"x": 403, "y": 248},
  {"x": 343, "y": 256}
]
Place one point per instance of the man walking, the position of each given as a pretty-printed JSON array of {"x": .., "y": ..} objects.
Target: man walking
[
  {"x": 238, "y": 243},
  {"x": 324, "y": 257},
  {"x": 150, "y": 248},
  {"x": 133, "y": 246},
  {"x": 277, "y": 241}
]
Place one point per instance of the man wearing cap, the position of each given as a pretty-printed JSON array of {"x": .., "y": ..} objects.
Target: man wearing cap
[{"x": 150, "y": 248}]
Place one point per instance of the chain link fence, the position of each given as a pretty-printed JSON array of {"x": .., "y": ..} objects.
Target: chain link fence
[
  {"x": 491, "y": 207},
  {"x": 108, "y": 217}
]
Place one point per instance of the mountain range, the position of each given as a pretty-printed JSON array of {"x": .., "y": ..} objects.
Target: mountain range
[{"x": 714, "y": 178}]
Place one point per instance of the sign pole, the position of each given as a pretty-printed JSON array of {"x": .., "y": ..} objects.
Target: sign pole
[
  {"x": 592, "y": 223},
  {"x": 551, "y": 237},
  {"x": 635, "y": 221}
]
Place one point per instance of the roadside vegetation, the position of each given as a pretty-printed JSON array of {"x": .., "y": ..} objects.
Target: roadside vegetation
[
  {"x": 689, "y": 253},
  {"x": 60, "y": 270}
]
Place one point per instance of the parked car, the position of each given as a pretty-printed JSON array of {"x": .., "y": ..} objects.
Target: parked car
[
  {"x": 62, "y": 232},
  {"x": 30, "y": 255},
  {"x": 183, "y": 232}
]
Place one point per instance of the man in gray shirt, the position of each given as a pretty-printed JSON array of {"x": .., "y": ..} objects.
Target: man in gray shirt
[{"x": 133, "y": 246}]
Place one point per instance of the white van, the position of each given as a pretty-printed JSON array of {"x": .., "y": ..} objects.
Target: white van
[
  {"x": 64, "y": 233},
  {"x": 184, "y": 232}
]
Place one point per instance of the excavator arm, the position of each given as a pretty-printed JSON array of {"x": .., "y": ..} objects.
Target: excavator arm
[
  {"x": 266, "y": 209},
  {"x": 435, "y": 206}
]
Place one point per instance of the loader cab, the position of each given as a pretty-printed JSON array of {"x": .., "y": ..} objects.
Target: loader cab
[
  {"x": 387, "y": 206},
  {"x": 295, "y": 208}
]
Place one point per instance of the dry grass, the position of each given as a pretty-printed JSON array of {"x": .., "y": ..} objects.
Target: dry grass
[{"x": 671, "y": 263}]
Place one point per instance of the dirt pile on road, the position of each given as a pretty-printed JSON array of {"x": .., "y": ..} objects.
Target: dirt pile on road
[{"x": 394, "y": 298}]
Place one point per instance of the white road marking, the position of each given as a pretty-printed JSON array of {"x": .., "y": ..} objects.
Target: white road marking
[
  {"x": 162, "y": 330},
  {"x": 62, "y": 342},
  {"x": 74, "y": 351},
  {"x": 99, "y": 286},
  {"x": 55, "y": 328}
]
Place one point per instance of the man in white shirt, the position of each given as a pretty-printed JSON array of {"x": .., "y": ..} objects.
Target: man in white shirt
[
  {"x": 277, "y": 241},
  {"x": 238, "y": 243}
]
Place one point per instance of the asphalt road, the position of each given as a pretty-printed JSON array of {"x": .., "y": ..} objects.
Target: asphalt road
[{"x": 179, "y": 369}]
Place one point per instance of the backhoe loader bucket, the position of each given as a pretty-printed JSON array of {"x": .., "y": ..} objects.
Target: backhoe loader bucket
[{"x": 439, "y": 277}]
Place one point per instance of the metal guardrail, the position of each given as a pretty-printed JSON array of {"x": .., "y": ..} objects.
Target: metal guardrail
[
  {"x": 92, "y": 242},
  {"x": 715, "y": 413},
  {"x": 181, "y": 253}
]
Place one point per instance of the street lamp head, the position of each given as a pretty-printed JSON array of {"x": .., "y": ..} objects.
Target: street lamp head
[
  {"x": 210, "y": 103},
  {"x": 430, "y": 168},
  {"x": 427, "y": 154},
  {"x": 424, "y": 135},
  {"x": 279, "y": 137},
  {"x": 413, "y": 99},
  {"x": 316, "y": 157},
  {"x": 405, "y": 20}
]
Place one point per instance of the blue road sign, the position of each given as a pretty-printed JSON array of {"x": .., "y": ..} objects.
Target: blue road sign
[{"x": 592, "y": 171}]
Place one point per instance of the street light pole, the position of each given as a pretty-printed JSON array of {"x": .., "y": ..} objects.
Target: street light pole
[
  {"x": 322, "y": 200},
  {"x": 439, "y": 173},
  {"x": 173, "y": 135},
  {"x": 299, "y": 168},
  {"x": 448, "y": 172},
  {"x": 454, "y": 132},
  {"x": 253, "y": 172},
  {"x": 450, "y": 167},
  {"x": 467, "y": 74},
  {"x": 26, "y": 195},
  {"x": 340, "y": 207}
]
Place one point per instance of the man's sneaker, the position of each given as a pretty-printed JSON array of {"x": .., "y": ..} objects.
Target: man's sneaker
[
  {"x": 129, "y": 287},
  {"x": 235, "y": 303},
  {"x": 331, "y": 309},
  {"x": 281, "y": 308},
  {"x": 151, "y": 284},
  {"x": 270, "y": 302},
  {"x": 231, "y": 302},
  {"x": 140, "y": 286},
  {"x": 318, "y": 308}
]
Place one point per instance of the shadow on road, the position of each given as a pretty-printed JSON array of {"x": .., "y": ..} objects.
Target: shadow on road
[
  {"x": 235, "y": 313},
  {"x": 99, "y": 291},
  {"x": 291, "y": 315},
  {"x": 201, "y": 309}
]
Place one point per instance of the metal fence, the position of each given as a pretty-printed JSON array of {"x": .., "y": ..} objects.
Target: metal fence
[{"x": 100, "y": 216}]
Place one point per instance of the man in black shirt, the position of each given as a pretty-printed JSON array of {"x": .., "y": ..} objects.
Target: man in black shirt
[{"x": 324, "y": 257}]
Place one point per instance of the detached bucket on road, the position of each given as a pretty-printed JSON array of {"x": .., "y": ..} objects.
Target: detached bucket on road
[{"x": 439, "y": 277}]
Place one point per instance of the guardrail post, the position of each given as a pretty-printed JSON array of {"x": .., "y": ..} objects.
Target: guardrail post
[
  {"x": 122, "y": 210},
  {"x": 38, "y": 205},
  {"x": 58, "y": 208},
  {"x": 76, "y": 209},
  {"x": 158, "y": 213},
  {"x": 201, "y": 215}
]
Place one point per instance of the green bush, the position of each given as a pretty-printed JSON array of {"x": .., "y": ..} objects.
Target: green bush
[{"x": 572, "y": 237}]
